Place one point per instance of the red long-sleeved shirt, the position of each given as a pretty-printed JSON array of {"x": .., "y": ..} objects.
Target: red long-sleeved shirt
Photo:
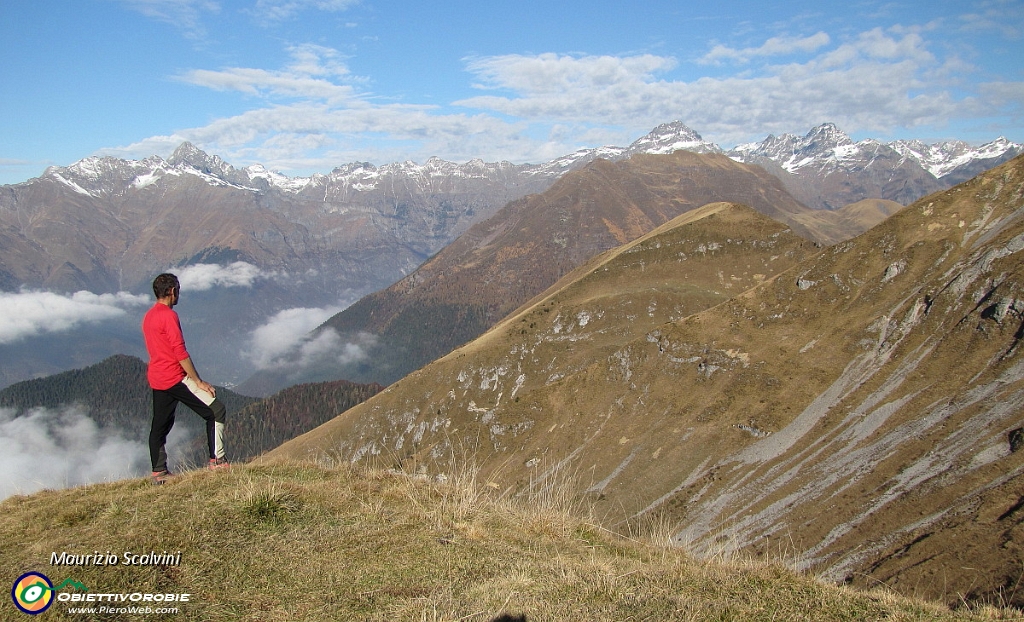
[{"x": 166, "y": 347}]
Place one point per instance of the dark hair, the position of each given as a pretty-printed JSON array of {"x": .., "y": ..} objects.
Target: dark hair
[{"x": 164, "y": 285}]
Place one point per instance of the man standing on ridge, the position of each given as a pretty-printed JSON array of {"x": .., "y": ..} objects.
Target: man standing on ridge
[{"x": 174, "y": 378}]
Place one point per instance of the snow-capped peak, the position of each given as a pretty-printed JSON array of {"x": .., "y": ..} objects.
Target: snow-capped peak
[
  {"x": 827, "y": 146},
  {"x": 670, "y": 137},
  {"x": 190, "y": 155},
  {"x": 941, "y": 158},
  {"x": 824, "y": 146}
]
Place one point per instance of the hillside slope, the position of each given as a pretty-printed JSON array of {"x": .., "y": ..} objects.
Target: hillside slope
[
  {"x": 860, "y": 409},
  {"x": 291, "y": 542}
]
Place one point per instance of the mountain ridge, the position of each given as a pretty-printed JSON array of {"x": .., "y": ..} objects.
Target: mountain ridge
[
  {"x": 791, "y": 152},
  {"x": 502, "y": 262}
]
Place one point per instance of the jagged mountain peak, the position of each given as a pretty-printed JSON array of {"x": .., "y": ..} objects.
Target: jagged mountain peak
[
  {"x": 669, "y": 137},
  {"x": 822, "y": 140},
  {"x": 826, "y": 169},
  {"x": 946, "y": 157},
  {"x": 101, "y": 175},
  {"x": 349, "y": 168},
  {"x": 190, "y": 155},
  {"x": 185, "y": 152},
  {"x": 828, "y": 132},
  {"x": 675, "y": 128},
  {"x": 826, "y": 146}
]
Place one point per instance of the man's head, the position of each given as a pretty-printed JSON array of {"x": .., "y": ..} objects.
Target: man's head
[{"x": 166, "y": 286}]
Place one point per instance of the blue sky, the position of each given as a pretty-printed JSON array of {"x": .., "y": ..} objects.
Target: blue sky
[{"x": 302, "y": 86}]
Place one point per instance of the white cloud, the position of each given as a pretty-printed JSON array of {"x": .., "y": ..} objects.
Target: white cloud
[
  {"x": 287, "y": 341},
  {"x": 776, "y": 46},
  {"x": 273, "y": 343},
  {"x": 281, "y": 137},
  {"x": 874, "y": 81},
  {"x": 321, "y": 118},
  {"x": 185, "y": 14},
  {"x": 203, "y": 276},
  {"x": 1004, "y": 18},
  {"x": 552, "y": 73},
  {"x": 308, "y": 77},
  {"x": 29, "y": 313},
  {"x": 285, "y": 9},
  {"x": 60, "y": 448},
  {"x": 1010, "y": 94},
  {"x": 327, "y": 346}
]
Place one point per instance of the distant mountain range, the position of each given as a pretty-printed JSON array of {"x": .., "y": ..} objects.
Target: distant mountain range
[
  {"x": 854, "y": 409},
  {"x": 105, "y": 224},
  {"x": 323, "y": 241},
  {"x": 826, "y": 169}
]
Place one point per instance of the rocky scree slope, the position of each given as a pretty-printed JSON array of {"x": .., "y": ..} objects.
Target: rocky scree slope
[{"x": 857, "y": 412}]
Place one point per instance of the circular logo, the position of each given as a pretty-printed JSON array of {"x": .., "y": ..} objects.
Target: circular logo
[{"x": 32, "y": 593}]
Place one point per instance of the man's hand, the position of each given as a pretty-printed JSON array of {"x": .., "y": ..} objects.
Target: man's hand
[
  {"x": 206, "y": 386},
  {"x": 190, "y": 371}
]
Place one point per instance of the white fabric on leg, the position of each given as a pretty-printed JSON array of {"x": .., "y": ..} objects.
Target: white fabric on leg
[{"x": 205, "y": 396}]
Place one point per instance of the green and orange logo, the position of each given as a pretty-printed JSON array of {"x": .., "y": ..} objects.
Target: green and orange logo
[{"x": 33, "y": 592}]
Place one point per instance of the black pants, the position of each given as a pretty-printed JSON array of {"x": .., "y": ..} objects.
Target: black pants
[{"x": 202, "y": 403}]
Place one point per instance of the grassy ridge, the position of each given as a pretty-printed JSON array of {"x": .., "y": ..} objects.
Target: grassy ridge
[{"x": 302, "y": 542}]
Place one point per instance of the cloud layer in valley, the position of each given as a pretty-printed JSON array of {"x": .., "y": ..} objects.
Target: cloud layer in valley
[
  {"x": 30, "y": 313},
  {"x": 205, "y": 276},
  {"x": 46, "y": 448},
  {"x": 286, "y": 341}
]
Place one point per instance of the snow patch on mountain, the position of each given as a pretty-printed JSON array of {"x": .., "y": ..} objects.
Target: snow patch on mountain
[
  {"x": 279, "y": 180},
  {"x": 823, "y": 147},
  {"x": 67, "y": 182},
  {"x": 154, "y": 175}
]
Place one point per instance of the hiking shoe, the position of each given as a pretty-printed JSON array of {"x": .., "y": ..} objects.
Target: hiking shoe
[
  {"x": 159, "y": 477},
  {"x": 218, "y": 463}
]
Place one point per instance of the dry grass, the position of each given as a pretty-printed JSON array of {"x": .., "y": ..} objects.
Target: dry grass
[{"x": 302, "y": 542}]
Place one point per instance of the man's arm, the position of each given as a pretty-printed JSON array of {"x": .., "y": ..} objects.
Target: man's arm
[{"x": 190, "y": 371}]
